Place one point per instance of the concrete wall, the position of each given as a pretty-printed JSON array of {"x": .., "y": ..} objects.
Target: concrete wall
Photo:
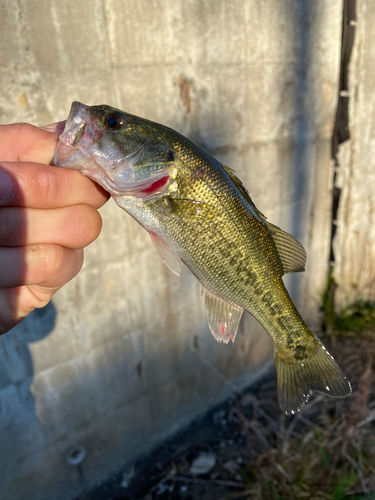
[
  {"x": 111, "y": 365},
  {"x": 354, "y": 244}
]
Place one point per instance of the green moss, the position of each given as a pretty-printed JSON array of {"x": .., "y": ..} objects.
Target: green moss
[
  {"x": 343, "y": 485},
  {"x": 358, "y": 317}
]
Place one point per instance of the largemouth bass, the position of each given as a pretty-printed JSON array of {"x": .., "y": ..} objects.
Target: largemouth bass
[{"x": 198, "y": 212}]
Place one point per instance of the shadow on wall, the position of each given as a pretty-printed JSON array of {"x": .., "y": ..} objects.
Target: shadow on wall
[
  {"x": 304, "y": 127},
  {"x": 17, "y": 405}
]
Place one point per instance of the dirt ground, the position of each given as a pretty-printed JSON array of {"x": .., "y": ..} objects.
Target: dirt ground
[{"x": 247, "y": 449}]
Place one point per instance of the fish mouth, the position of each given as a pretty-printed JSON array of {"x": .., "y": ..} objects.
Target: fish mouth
[
  {"x": 75, "y": 124},
  {"x": 69, "y": 153},
  {"x": 115, "y": 176}
]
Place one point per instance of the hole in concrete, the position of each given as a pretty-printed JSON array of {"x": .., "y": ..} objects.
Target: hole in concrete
[{"x": 76, "y": 455}]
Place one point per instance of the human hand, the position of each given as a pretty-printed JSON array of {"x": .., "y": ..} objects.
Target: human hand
[{"x": 47, "y": 216}]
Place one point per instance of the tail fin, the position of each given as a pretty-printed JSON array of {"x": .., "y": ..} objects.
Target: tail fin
[{"x": 297, "y": 379}]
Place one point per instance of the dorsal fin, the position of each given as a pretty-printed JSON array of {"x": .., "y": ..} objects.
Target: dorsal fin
[
  {"x": 233, "y": 177},
  {"x": 245, "y": 193},
  {"x": 291, "y": 252}
]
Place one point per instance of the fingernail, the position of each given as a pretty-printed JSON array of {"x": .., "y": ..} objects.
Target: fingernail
[
  {"x": 6, "y": 186},
  {"x": 55, "y": 127}
]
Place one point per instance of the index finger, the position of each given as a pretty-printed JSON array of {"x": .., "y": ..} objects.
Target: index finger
[
  {"x": 25, "y": 142},
  {"x": 36, "y": 185}
]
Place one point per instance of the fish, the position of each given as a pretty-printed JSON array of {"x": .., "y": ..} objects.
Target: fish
[{"x": 199, "y": 213}]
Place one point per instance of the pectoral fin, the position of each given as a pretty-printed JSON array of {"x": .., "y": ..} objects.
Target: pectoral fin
[
  {"x": 223, "y": 317},
  {"x": 167, "y": 255}
]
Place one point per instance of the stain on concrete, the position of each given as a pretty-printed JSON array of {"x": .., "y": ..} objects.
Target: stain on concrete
[{"x": 185, "y": 87}]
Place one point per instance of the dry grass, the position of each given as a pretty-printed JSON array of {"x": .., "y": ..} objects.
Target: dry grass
[
  {"x": 328, "y": 450},
  {"x": 325, "y": 452}
]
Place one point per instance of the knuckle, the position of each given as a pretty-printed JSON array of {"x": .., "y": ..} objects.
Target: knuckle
[
  {"x": 59, "y": 255},
  {"x": 54, "y": 265},
  {"x": 47, "y": 260},
  {"x": 47, "y": 185},
  {"x": 55, "y": 258},
  {"x": 32, "y": 297},
  {"x": 86, "y": 222}
]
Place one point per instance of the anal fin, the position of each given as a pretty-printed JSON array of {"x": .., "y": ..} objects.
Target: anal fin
[
  {"x": 223, "y": 318},
  {"x": 167, "y": 255}
]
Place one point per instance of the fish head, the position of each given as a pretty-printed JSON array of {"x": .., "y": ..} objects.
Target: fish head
[{"x": 117, "y": 150}]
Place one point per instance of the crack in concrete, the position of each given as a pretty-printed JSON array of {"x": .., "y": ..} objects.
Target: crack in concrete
[{"x": 341, "y": 132}]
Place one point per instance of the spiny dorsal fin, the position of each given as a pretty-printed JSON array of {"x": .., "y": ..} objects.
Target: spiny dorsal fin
[
  {"x": 223, "y": 318},
  {"x": 291, "y": 252},
  {"x": 245, "y": 193}
]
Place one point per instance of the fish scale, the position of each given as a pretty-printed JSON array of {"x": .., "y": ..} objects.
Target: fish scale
[{"x": 198, "y": 212}]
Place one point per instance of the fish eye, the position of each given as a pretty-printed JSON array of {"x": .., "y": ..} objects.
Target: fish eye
[{"x": 113, "y": 121}]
